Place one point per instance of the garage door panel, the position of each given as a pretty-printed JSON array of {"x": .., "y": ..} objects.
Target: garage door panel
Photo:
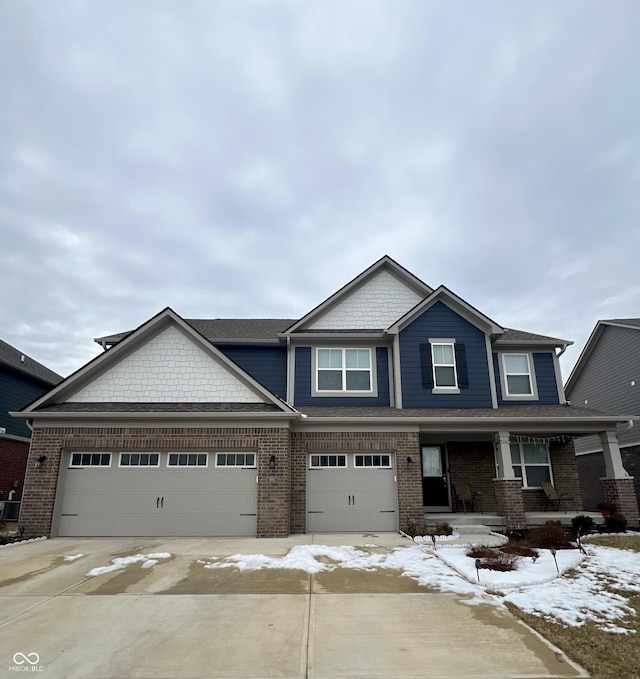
[
  {"x": 158, "y": 501},
  {"x": 351, "y": 498}
]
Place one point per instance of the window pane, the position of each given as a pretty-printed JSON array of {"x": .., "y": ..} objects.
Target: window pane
[
  {"x": 329, "y": 380},
  {"x": 515, "y": 453},
  {"x": 173, "y": 459},
  {"x": 357, "y": 358},
  {"x": 250, "y": 459},
  {"x": 76, "y": 458},
  {"x": 202, "y": 460},
  {"x": 516, "y": 363},
  {"x": 144, "y": 460},
  {"x": 518, "y": 384},
  {"x": 358, "y": 380},
  {"x": 518, "y": 472},
  {"x": 329, "y": 358},
  {"x": 124, "y": 459},
  {"x": 535, "y": 453},
  {"x": 445, "y": 377},
  {"x": 438, "y": 358},
  {"x": 153, "y": 460},
  {"x": 135, "y": 459},
  {"x": 536, "y": 475},
  {"x": 315, "y": 460},
  {"x": 182, "y": 460}
]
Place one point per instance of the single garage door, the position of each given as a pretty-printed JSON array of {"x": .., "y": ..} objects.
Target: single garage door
[
  {"x": 351, "y": 492},
  {"x": 158, "y": 494}
]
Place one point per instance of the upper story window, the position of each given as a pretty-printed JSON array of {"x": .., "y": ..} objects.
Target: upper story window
[
  {"x": 344, "y": 370},
  {"x": 518, "y": 378},
  {"x": 444, "y": 365}
]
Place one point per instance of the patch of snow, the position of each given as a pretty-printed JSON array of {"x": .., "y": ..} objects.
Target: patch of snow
[
  {"x": 23, "y": 542},
  {"x": 121, "y": 562},
  {"x": 73, "y": 557}
]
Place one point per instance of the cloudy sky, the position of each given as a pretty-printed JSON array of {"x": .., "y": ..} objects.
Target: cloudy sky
[{"x": 246, "y": 159}]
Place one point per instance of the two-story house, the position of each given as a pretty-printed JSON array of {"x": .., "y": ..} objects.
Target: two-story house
[
  {"x": 607, "y": 377},
  {"x": 22, "y": 380},
  {"x": 358, "y": 416}
]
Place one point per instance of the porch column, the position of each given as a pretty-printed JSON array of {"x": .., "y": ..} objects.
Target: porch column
[
  {"x": 618, "y": 487},
  {"x": 503, "y": 455},
  {"x": 508, "y": 488}
]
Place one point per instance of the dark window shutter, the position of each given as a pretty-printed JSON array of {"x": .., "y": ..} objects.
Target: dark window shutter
[
  {"x": 461, "y": 365},
  {"x": 425, "y": 365}
]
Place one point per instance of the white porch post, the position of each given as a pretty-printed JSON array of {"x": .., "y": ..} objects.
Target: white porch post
[
  {"x": 612, "y": 457},
  {"x": 503, "y": 455}
]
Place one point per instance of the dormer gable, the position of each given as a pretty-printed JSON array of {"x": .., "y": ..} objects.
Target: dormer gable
[{"x": 374, "y": 300}]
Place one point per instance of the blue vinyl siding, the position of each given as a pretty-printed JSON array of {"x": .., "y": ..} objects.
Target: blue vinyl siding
[
  {"x": 303, "y": 379},
  {"x": 545, "y": 379},
  {"x": 441, "y": 321},
  {"x": 267, "y": 365},
  {"x": 16, "y": 392}
]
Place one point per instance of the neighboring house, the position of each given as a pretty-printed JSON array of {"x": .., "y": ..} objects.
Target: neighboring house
[
  {"x": 357, "y": 417},
  {"x": 607, "y": 377},
  {"x": 22, "y": 380}
]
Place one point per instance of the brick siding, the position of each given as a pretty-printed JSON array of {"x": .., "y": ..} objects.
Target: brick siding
[
  {"x": 510, "y": 502},
  {"x": 273, "y": 498},
  {"x": 13, "y": 462},
  {"x": 621, "y": 492},
  {"x": 474, "y": 463}
]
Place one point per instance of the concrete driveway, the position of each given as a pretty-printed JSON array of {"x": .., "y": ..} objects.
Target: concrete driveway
[{"x": 178, "y": 619}]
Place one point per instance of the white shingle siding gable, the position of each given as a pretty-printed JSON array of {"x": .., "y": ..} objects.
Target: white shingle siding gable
[
  {"x": 168, "y": 368},
  {"x": 378, "y": 304}
]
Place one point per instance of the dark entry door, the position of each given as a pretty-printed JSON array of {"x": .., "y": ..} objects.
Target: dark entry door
[{"x": 435, "y": 486}]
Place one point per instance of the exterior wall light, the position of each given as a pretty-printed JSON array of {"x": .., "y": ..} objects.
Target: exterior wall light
[
  {"x": 272, "y": 462},
  {"x": 410, "y": 462},
  {"x": 40, "y": 461}
]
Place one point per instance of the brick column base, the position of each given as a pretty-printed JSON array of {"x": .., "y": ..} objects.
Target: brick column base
[
  {"x": 510, "y": 502},
  {"x": 622, "y": 493}
]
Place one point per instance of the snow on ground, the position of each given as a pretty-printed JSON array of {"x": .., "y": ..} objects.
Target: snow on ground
[
  {"x": 121, "y": 562},
  {"x": 73, "y": 557},
  {"x": 536, "y": 586}
]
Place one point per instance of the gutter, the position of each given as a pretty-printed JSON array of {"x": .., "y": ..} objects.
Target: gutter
[{"x": 131, "y": 415}]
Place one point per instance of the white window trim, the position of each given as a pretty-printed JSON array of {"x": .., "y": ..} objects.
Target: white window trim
[
  {"x": 92, "y": 466},
  {"x": 237, "y": 466},
  {"x": 373, "y": 392},
  {"x": 523, "y": 464},
  {"x": 447, "y": 341},
  {"x": 341, "y": 466},
  {"x": 506, "y": 396},
  {"x": 138, "y": 466},
  {"x": 187, "y": 466}
]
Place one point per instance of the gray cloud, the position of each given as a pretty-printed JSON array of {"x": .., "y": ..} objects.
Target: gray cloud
[{"x": 249, "y": 158}]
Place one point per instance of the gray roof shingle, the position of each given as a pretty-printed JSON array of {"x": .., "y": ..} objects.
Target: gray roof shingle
[
  {"x": 13, "y": 357},
  {"x": 511, "y": 335}
]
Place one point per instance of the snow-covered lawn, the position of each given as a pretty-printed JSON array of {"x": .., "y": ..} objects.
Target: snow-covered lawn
[{"x": 536, "y": 586}]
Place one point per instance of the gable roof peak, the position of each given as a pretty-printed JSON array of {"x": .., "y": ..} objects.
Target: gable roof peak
[{"x": 385, "y": 263}]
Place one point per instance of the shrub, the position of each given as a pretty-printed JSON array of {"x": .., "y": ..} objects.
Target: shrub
[
  {"x": 443, "y": 529},
  {"x": 551, "y": 535},
  {"x": 493, "y": 558},
  {"x": 582, "y": 523},
  {"x": 616, "y": 523},
  {"x": 518, "y": 549}
]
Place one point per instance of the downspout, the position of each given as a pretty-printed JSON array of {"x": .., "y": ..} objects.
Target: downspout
[
  {"x": 627, "y": 427},
  {"x": 564, "y": 348}
]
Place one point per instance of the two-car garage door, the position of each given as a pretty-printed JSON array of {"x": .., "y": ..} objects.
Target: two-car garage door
[
  {"x": 351, "y": 492},
  {"x": 158, "y": 494}
]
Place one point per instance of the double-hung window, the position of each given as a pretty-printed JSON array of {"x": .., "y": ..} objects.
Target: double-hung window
[
  {"x": 444, "y": 365},
  {"x": 518, "y": 379},
  {"x": 531, "y": 463},
  {"x": 344, "y": 370}
]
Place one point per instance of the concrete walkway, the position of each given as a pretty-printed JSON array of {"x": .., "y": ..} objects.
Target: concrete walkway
[{"x": 180, "y": 620}]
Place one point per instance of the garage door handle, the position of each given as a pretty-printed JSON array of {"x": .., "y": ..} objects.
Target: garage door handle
[
  {"x": 162, "y": 503},
  {"x": 158, "y": 502},
  {"x": 353, "y": 498}
]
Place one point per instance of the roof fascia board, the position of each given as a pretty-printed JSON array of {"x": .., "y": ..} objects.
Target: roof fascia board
[
  {"x": 458, "y": 305},
  {"x": 385, "y": 262},
  {"x": 44, "y": 416},
  {"x": 136, "y": 339},
  {"x": 340, "y": 337},
  {"x": 530, "y": 342},
  {"x": 617, "y": 324},
  {"x": 590, "y": 425}
]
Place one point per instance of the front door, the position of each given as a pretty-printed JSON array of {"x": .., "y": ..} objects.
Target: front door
[{"x": 435, "y": 486}]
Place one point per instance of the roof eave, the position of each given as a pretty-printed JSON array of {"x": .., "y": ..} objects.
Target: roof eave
[{"x": 137, "y": 415}]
